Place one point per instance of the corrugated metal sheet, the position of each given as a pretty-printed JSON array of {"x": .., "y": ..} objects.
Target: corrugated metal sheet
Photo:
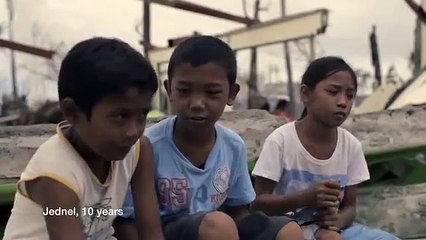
[
  {"x": 413, "y": 94},
  {"x": 378, "y": 100}
]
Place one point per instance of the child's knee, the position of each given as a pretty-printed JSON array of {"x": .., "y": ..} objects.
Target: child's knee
[
  {"x": 217, "y": 225},
  {"x": 324, "y": 234},
  {"x": 291, "y": 231}
]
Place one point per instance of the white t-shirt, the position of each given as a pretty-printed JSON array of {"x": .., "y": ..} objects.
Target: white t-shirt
[
  {"x": 57, "y": 159},
  {"x": 284, "y": 160}
]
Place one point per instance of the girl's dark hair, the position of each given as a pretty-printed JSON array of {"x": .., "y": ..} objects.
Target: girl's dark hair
[{"x": 322, "y": 68}]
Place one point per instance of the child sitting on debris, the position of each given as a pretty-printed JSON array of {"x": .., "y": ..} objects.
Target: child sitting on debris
[
  {"x": 75, "y": 184},
  {"x": 312, "y": 167},
  {"x": 201, "y": 166}
]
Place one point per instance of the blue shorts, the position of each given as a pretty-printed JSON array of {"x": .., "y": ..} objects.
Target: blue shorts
[
  {"x": 358, "y": 231},
  {"x": 353, "y": 232}
]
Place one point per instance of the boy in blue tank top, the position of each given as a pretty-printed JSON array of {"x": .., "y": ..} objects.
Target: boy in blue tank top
[{"x": 200, "y": 165}]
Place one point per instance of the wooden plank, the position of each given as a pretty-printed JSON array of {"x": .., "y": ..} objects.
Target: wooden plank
[
  {"x": 192, "y": 7},
  {"x": 291, "y": 27},
  {"x": 27, "y": 49}
]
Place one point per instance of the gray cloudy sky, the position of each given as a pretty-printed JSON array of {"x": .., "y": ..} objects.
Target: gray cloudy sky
[{"x": 72, "y": 20}]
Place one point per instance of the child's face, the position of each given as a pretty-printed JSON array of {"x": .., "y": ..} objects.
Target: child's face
[
  {"x": 331, "y": 100},
  {"x": 116, "y": 123},
  {"x": 199, "y": 94}
]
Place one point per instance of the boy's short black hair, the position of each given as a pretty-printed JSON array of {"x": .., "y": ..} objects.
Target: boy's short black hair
[
  {"x": 200, "y": 50},
  {"x": 98, "y": 67}
]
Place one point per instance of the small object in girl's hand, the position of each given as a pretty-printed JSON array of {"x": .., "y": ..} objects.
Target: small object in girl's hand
[{"x": 334, "y": 228}]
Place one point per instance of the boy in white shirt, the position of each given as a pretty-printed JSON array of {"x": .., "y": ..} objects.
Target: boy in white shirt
[{"x": 74, "y": 185}]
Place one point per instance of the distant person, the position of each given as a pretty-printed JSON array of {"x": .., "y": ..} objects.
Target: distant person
[
  {"x": 75, "y": 184},
  {"x": 311, "y": 168},
  {"x": 201, "y": 166},
  {"x": 281, "y": 110}
]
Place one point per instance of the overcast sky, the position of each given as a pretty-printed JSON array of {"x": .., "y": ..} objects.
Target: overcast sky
[{"x": 70, "y": 21}]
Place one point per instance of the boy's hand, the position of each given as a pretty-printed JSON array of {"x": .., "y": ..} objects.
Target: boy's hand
[{"x": 323, "y": 195}]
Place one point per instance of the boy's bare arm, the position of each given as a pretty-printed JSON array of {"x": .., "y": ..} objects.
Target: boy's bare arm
[
  {"x": 144, "y": 195},
  {"x": 53, "y": 195},
  {"x": 320, "y": 195}
]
